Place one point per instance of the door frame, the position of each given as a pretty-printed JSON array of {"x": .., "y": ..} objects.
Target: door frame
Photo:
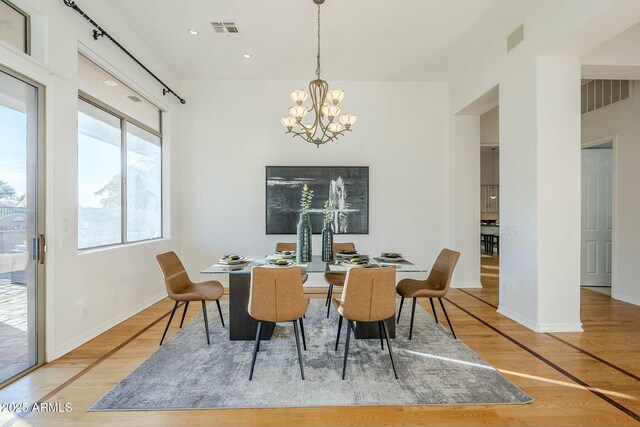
[
  {"x": 613, "y": 139},
  {"x": 41, "y": 315}
]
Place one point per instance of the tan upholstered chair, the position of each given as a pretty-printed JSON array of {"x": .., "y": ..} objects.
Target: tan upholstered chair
[
  {"x": 436, "y": 286},
  {"x": 276, "y": 295},
  {"x": 181, "y": 288},
  {"x": 369, "y": 295},
  {"x": 336, "y": 278},
  {"x": 286, "y": 246}
]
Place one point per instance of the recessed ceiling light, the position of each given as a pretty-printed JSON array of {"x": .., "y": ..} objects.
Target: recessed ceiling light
[
  {"x": 246, "y": 55},
  {"x": 111, "y": 83},
  {"x": 193, "y": 31}
]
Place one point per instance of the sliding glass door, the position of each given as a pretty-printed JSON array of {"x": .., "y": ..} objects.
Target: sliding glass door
[{"x": 21, "y": 231}]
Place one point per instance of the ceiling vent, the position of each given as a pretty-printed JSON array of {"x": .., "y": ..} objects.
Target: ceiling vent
[
  {"x": 134, "y": 98},
  {"x": 225, "y": 27},
  {"x": 515, "y": 38}
]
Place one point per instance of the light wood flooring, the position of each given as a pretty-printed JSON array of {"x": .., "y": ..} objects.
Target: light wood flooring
[{"x": 577, "y": 379}]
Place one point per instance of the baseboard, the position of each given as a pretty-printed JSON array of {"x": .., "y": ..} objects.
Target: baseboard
[
  {"x": 537, "y": 326},
  {"x": 559, "y": 327},
  {"x": 468, "y": 285},
  {"x": 524, "y": 321},
  {"x": 624, "y": 298},
  {"x": 103, "y": 327}
]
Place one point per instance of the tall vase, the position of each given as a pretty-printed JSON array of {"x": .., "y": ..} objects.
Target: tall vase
[
  {"x": 327, "y": 242},
  {"x": 303, "y": 251}
]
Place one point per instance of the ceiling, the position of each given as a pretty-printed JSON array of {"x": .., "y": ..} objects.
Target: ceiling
[{"x": 404, "y": 40}]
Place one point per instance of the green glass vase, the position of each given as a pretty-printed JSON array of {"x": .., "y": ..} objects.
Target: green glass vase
[
  {"x": 303, "y": 251},
  {"x": 327, "y": 242}
]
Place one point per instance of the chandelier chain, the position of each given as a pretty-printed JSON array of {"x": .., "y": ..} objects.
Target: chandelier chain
[{"x": 318, "y": 57}]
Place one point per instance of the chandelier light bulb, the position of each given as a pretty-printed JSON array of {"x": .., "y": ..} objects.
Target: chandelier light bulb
[
  {"x": 309, "y": 128},
  {"x": 335, "y": 96},
  {"x": 288, "y": 122},
  {"x": 335, "y": 128},
  {"x": 298, "y": 111},
  {"x": 330, "y": 111},
  {"x": 348, "y": 120},
  {"x": 299, "y": 96}
]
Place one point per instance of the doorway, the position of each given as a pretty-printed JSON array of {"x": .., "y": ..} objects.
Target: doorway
[
  {"x": 21, "y": 226},
  {"x": 490, "y": 198},
  {"x": 597, "y": 216}
]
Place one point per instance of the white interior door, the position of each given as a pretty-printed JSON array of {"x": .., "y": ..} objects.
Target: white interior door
[{"x": 597, "y": 216}]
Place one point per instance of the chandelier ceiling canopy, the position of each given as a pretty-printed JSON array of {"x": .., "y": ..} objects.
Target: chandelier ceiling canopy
[{"x": 327, "y": 123}]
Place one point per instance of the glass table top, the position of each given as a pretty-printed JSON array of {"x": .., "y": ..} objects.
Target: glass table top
[{"x": 315, "y": 266}]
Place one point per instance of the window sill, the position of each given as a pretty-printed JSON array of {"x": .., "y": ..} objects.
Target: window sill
[{"x": 121, "y": 245}]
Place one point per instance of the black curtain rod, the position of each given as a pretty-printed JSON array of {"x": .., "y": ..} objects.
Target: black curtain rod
[{"x": 100, "y": 32}]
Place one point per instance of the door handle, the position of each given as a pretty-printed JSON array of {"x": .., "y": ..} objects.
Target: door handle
[{"x": 42, "y": 248}]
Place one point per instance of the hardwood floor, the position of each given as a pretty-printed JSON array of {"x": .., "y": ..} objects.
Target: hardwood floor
[{"x": 579, "y": 379}]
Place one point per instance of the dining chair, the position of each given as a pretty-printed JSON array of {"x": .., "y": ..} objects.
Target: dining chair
[
  {"x": 181, "y": 289},
  {"x": 336, "y": 278},
  {"x": 435, "y": 286},
  {"x": 286, "y": 246},
  {"x": 369, "y": 295},
  {"x": 276, "y": 295}
]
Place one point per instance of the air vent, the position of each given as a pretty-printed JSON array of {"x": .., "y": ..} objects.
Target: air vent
[
  {"x": 515, "y": 38},
  {"x": 134, "y": 98},
  {"x": 222, "y": 27},
  {"x": 597, "y": 94}
]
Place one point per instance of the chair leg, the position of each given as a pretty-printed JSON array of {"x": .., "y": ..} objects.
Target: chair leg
[
  {"x": 186, "y": 305},
  {"x": 220, "y": 312},
  {"x": 329, "y": 300},
  {"x": 380, "y": 333},
  {"x": 386, "y": 335},
  {"x": 413, "y": 312},
  {"x": 346, "y": 350},
  {"x": 400, "y": 309},
  {"x": 447, "y": 316},
  {"x": 304, "y": 340},
  {"x": 206, "y": 322},
  {"x": 175, "y": 307},
  {"x": 339, "y": 329},
  {"x": 295, "y": 332},
  {"x": 255, "y": 350},
  {"x": 433, "y": 308}
]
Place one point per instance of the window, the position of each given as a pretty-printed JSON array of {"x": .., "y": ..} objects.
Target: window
[
  {"x": 14, "y": 26},
  {"x": 119, "y": 178},
  {"x": 99, "y": 177}
]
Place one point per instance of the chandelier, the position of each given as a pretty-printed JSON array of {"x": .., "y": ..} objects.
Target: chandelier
[{"x": 327, "y": 123}]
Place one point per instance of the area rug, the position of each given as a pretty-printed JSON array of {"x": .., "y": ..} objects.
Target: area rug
[{"x": 186, "y": 373}]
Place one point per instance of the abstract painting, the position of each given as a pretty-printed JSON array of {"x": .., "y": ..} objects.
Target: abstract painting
[{"x": 345, "y": 187}]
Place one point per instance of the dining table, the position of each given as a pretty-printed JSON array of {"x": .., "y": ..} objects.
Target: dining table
[{"x": 243, "y": 327}]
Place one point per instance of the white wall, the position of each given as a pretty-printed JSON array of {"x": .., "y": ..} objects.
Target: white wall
[
  {"x": 621, "y": 121},
  {"x": 112, "y": 283},
  {"x": 234, "y": 131}
]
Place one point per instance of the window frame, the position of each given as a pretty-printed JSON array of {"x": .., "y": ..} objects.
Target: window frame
[
  {"x": 125, "y": 119},
  {"x": 27, "y": 27}
]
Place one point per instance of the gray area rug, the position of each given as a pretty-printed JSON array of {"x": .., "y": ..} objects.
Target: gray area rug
[{"x": 434, "y": 369}]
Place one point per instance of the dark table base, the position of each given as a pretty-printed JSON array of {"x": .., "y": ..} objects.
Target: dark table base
[
  {"x": 244, "y": 327},
  {"x": 370, "y": 329},
  {"x": 241, "y": 325}
]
